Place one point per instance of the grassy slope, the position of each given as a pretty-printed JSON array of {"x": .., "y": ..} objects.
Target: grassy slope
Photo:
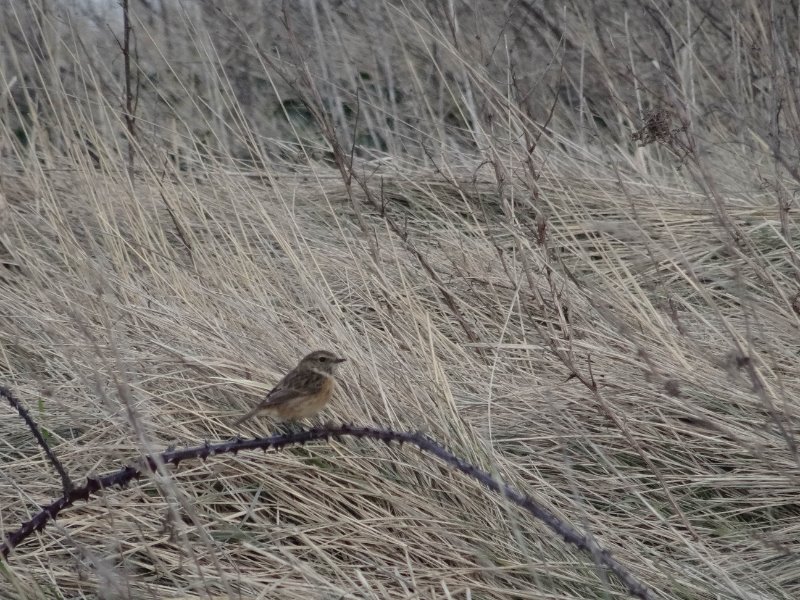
[{"x": 138, "y": 315}]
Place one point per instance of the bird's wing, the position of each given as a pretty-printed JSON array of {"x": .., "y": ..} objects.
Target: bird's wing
[
  {"x": 281, "y": 395},
  {"x": 274, "y": 398},
  {"x": 288, "y": 389},
  {"x": 294, "y": 385}
]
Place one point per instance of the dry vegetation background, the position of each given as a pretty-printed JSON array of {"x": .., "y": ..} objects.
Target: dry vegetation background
[{"x": 449, "y": 195}]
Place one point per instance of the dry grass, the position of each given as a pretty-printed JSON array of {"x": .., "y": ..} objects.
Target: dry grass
[{"x": 135, "y": 315}]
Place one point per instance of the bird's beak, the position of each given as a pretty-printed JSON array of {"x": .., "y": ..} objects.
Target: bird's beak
[{"x": 339, "y": 360}]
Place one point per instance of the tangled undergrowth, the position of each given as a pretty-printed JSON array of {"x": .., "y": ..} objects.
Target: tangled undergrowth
[{"x": 564, "y": 246}]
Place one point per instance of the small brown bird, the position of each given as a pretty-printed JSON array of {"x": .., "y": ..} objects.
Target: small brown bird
[{"x": 303, "y": 392}]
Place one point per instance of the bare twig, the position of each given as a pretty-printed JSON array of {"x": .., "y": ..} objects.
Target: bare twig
[
  {"x": 62, "y": 472},
  {"x": 130, "y": 103},
  {"x": 310, "y": 96},
  {"x": 124, "y": 476}
]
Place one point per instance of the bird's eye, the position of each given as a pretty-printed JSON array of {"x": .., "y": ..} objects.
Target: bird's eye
[{"x": 323, "y": 358}]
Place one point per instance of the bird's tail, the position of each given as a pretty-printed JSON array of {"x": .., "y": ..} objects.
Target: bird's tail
[{"x": 249, "y": 415}]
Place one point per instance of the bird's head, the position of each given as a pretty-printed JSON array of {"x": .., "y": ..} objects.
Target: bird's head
[{"x": 322, "y": 361}]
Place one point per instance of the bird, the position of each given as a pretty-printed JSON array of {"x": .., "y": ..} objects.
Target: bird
[{"x": 303, "y": 392}]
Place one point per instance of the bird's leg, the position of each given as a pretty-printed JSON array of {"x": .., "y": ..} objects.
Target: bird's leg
[{"x": 287, "y": 428}]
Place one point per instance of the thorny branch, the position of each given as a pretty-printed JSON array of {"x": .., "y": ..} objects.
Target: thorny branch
[
  {"x": 150, "y": 463},
  {"x": 66, "y": 482}
]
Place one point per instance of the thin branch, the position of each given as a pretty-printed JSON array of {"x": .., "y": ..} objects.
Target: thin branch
[
  {"x": 310, "y": 96},
  {"x": 124, "y": 476},
  {"x": 66, "y": 482},
  {"x": 130, "y": 103}
]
